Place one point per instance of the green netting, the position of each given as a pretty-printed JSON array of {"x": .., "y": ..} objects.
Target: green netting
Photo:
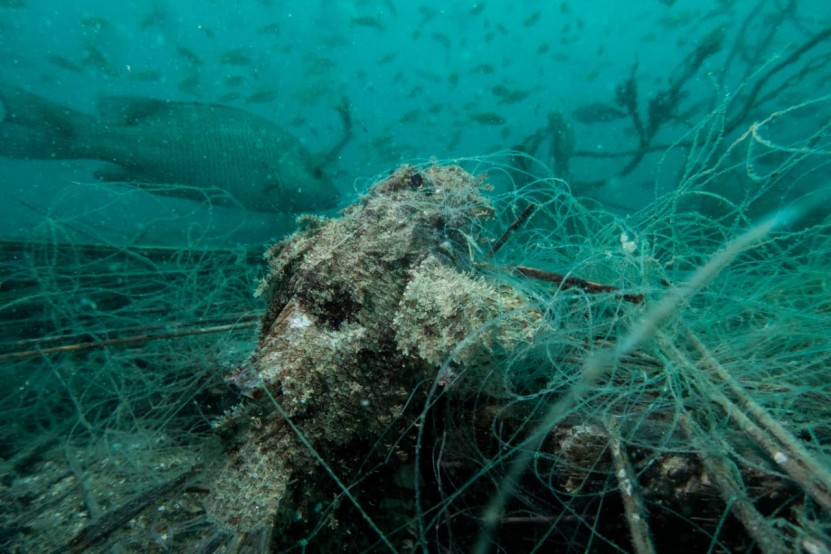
[{"x": 470, "y": 358}]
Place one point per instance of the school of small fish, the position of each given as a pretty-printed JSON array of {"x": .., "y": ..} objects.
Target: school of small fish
[{"x": 480, "y": 98}]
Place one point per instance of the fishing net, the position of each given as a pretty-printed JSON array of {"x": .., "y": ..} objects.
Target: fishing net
[
  {"x": 603, "y": 384},
  {"x": 501, "y": 432},
  {"x": 112, "y": 361},
  {"x": 470, "y": 358},
  {"x": 466, "y": 359}
]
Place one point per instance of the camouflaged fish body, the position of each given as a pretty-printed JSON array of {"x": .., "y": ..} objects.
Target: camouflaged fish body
[{"x": 202, "y": 147}]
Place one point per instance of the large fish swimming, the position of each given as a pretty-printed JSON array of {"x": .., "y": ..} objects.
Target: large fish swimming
[{"x": 200, "y": 147}]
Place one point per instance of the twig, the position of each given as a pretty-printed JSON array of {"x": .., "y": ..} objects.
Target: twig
[
  {"x": 521, "y": 218},
  {"x": 142, "y": 329},
  {"x": 125, "y": 340},
  {"x": 633, "y": 505},
  {"x": 785, "y": 449},
  {"x": 571, "y": 282},
  {"x": 733, "y": 493},
  {"x": 750, "y": 101}
]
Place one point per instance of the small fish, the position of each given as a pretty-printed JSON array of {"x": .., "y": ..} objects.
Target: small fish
[
  {"x": 508, "y": 96},
  {"x": 189, "y": 55},
  {"x": 477, "y": 8},
  {"x": 262, "y": 97},
  {"x": 322, "y": 63},
  {"x": 515, "y": 96},
  {"x": 411, "y": 116},
  {"x": 484, "y": 69},
  {"x": 189, "y": 85},
  {"x": 543, "y": 48},
  {"x": 270, "y": 29},
  {"x": 13, "y": 3},
  {"x": 427, "y": 14},
  {"x": 594, "y": 74},
  {"x": 386, "y": 59},
  {"x": 369, "y": 22},
  {"x": 430, "y": 76},
  {"x": 155, "y": 17},
  {"x": 95, "y": 58},
  {"x": 597, "y": 112},
  {"x": 487, "y": 118},
  {"x": 235, "y": 56},
  {"x": 234, "y": 81},
  {"x": 206, "y": 31},
  {"x": 501, "y": 90},
  {"x": 63, "y": 63},
  {"x": 145, "y": 76},
  {"x": 532, "y": 19},
  {"x": 149, "y": 142},
  {"x": 442, "y": 39},
  {"x": 312, "y": 93},
  {"x": 95, "y": 24}
]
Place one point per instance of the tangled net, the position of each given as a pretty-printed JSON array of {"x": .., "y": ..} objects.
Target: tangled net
[{"x": 468, "y": 359}]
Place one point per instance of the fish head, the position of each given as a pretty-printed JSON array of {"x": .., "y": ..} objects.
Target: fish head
[{"x": 302, "y": 185}]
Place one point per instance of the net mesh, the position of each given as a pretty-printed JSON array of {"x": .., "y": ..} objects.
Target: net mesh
[{"x": 609, "y": 426}]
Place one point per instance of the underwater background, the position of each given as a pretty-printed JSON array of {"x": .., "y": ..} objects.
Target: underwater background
[
  {"x": 562, "y": 283},
  {"x": 421, "y": 80}
]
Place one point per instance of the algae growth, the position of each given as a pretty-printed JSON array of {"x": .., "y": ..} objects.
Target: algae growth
[{"x": 362, "y": 312}]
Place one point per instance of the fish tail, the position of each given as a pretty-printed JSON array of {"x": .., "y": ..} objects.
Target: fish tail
[{"x": 32, "y": 127}]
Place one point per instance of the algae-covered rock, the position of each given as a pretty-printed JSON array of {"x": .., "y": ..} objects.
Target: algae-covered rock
[
  {"x": 362, "y": 311},
  {"x": 446, "y": 311}
]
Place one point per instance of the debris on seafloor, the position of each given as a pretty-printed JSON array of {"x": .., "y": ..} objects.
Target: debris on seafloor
[{"x": 362, "y": 313}]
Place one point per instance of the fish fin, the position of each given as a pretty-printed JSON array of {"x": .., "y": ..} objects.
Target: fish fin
[
  {"x": 136, "y": 179},
  {"x": 129, "y": 110},
  {"x": 35, "y": 128}
]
